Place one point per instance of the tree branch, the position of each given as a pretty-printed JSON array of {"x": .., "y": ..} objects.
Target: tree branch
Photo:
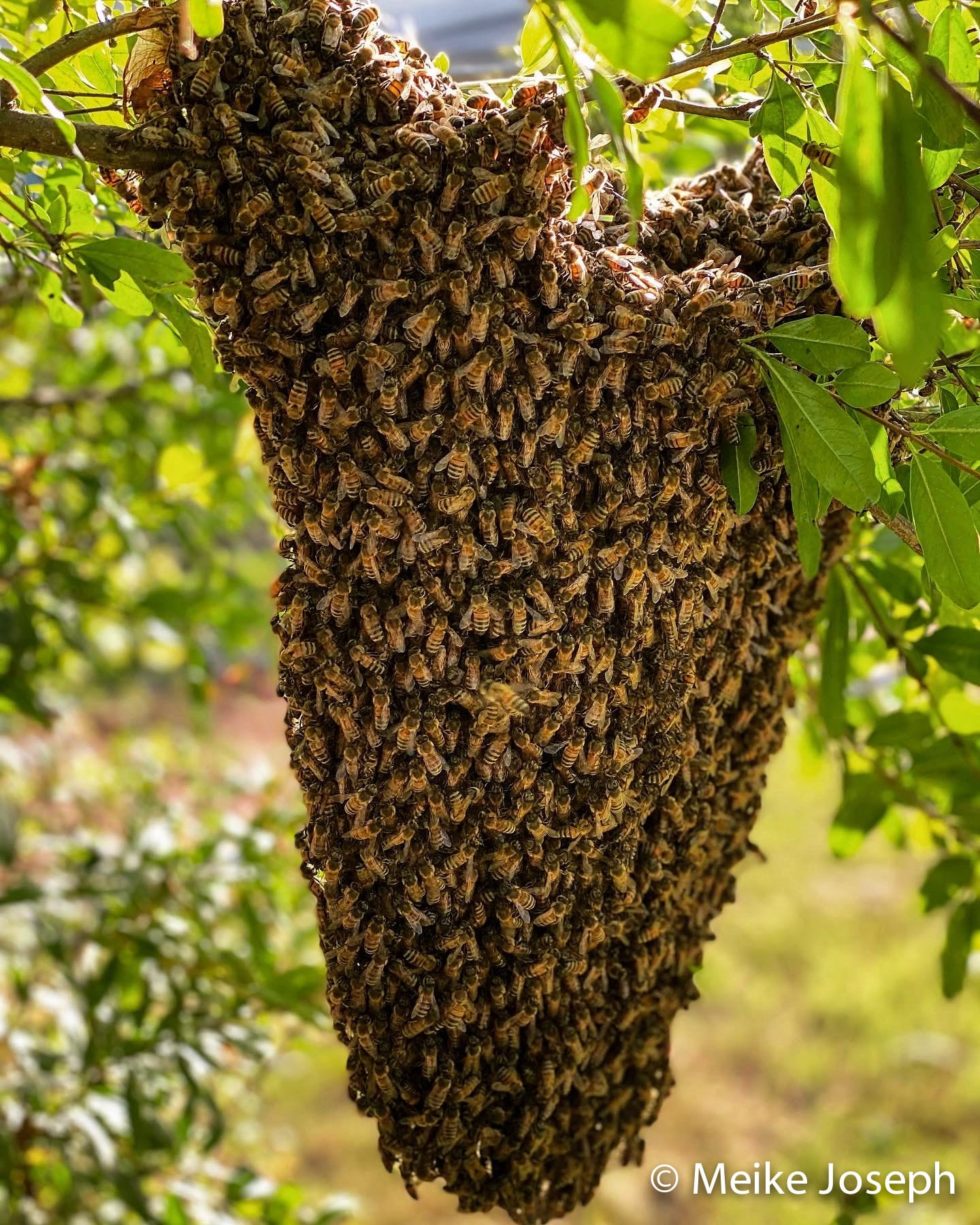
[
  {"x": 713, "y": 28},
  {"x": 90, "y": 36},
  {"x": 104, "y": 146},
  {"x": 751, "y": 44},
  {"x": 662, "y": 101},
  {"x": 902, "y": 528}
]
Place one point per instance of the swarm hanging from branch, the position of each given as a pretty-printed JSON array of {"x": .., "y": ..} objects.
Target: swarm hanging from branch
[{"x": 534, "y": 662}]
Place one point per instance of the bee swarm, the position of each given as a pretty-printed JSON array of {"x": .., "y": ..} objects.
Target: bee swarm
[{"x": 534, "y": 661}]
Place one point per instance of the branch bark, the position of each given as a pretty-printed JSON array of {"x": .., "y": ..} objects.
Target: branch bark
[
  {"x": 902, "y": 528},
  {"x": 750, "y": 44},
  {"x": 104, "y": 146},
  {"x": 666, "y": 102}
]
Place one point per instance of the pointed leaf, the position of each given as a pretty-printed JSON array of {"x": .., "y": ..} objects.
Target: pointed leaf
[
  {"x": 741, "y": 479},
  {"x": 963, "y": 922},
  {"x": 863, "y": 806},
  {"x": 959, "y": 432},
  {"x": 634, "y": 36},
  {"x": 834, "y": 657},
  {"x": 955, "y": 648},
  {"x": 536, "y": 46},
  {"x": 944, "y": 879},
  {"x": 946, "y": 532},
  {"x": 867, "y": 385},
  {"x": 805, "y": 497},
  {"x": 822, "y": 344},
  {"x": 831, "y": 446},
  {"x": 860, "y": 180},
  {"x": 782, "y": 125},
  {"x": 949, "y": 43},
  {"x": 909, "y": 318}
]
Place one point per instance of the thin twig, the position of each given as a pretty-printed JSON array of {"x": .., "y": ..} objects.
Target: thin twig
[
  {"x": 959, "y": 181},
  {"x": 926, "y": 443},
  {"x": 755, "y": 42},
  {"x": 91, "y": 36},
  {"x": 955, "y": 371},
  {"x": 91, "y": 110},
  {"x": 902, "y": 528},
  {"x": 32, "y": 222},
  {"x": 79, "y": 93},
  {"x": 713, "y": 28},
  {"x": 667, "y": 102}
]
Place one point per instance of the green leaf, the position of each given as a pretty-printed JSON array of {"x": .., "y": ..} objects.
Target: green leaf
[
  {"x": 943, "y": 245},
  {"x": 834, "y": 657},
  {"x": 899, "y": 728},
  {"x": 609, "y": 99},
  {"x": 867, "y": 385},
  {"x": 108, "y": 257},
  {"x": 959, "y": 432},
  {"x": 832, "y": 447},
  {"x": 969, "y": 307},
  {"x": 942, "y": 134},
  {"x": 193, "y": 332},
  {"x": 862, "y": 807},
  {"x": 949, "y": 43},
  {"x": 946, "y": 532},
  {"x": 576, "y": 129},
  {"x": 53, "y": 293},
  {"x": 805, "y": 498},
  {"x": 944, "y": 879},
  {"x": 782, "y": 125},
  {"x": 909, "y": 319},
  {"x": 127, "y": 293},
  {"x": 741, "y": 479},
  {"x": 441, "y": 61},
  {"x": 822, "y": 344},
  {"x": 955, "y": 648},
  {"x": 963, "y": 922},
  {"x": 207, "y": 17},
  {"x": 536, "y": 44},
  {"x": 634, "y": 36},
  {"x": 860, "y": 180}
]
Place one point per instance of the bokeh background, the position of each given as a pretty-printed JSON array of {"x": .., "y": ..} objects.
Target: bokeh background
[{"x": 160, "y": 1015}]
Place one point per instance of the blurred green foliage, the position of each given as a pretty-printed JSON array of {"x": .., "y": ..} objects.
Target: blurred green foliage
[
  {"x": 134, "y": 528},
  {"x": 148, "y": 937}
]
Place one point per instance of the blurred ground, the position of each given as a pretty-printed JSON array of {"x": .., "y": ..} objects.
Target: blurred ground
[{"x": 821, "y": 1036}]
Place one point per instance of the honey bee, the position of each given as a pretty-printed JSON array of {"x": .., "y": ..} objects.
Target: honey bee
[
  {"x": 455, "y": 233},
  {"x": 272, "y": 100},
  {"x": 332, "y": 31},
  {"x": 429, "y": 242},
  {"x": 231, "y": 167},
  {"x": 206, "y": 76},
  {"x": 420, "y": 327}
]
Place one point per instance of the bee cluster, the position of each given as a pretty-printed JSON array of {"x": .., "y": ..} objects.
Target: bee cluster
[{"x": 534, "y": 661}]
